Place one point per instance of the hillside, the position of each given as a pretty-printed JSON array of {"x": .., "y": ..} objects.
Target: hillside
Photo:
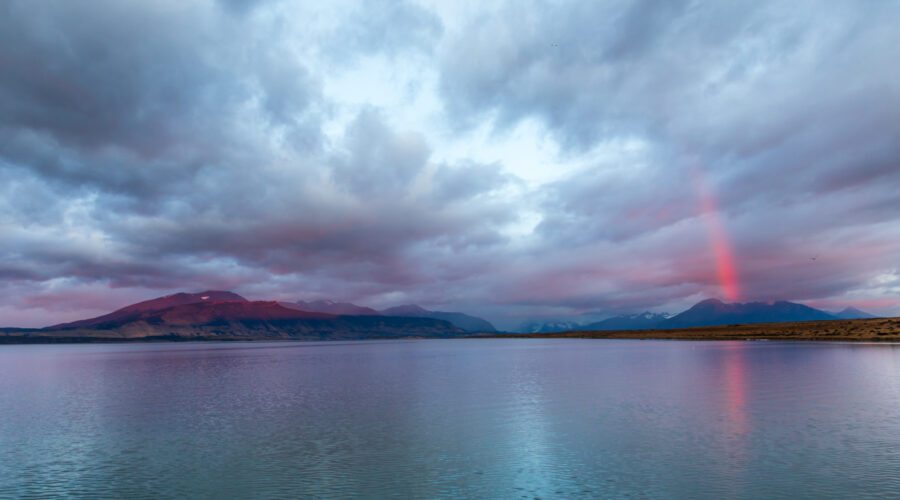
[{"x": 156, "y": 304}]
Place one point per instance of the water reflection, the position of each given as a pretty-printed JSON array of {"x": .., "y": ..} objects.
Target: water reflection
[
  {"x": 463, "y": 418},
  {"x": 734, "y": 402},
  {"x": 735, "y": 388}
]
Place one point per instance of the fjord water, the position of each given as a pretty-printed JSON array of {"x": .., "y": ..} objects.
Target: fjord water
[{"x": 474, "y": 418}]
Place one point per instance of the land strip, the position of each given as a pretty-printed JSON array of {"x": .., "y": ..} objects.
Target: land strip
[{"x": 877, "y": 329}]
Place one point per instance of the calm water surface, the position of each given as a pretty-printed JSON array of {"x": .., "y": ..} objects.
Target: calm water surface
[{"x": 486, "y": 418}]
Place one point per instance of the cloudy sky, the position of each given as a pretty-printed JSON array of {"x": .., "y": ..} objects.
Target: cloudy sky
[{"x": 520, "y": 160}]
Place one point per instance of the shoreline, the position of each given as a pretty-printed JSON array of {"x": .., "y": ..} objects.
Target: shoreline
[
  {"x": 840, "y": 330},
  {"x": 856, "y": 330},
  {"x": 155, "y": 339}
]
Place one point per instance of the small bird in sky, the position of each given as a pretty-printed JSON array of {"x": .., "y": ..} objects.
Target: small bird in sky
[{"x": 814, "y": 258}]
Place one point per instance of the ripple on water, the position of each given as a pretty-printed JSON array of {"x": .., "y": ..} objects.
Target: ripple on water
[{"x": 462, "y": 418}]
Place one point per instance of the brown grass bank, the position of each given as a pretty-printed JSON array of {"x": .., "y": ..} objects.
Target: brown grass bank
[{"x": 877, "y": 329}]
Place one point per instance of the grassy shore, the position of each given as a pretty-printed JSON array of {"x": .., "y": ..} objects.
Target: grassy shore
[{"x": 879, "y": 329}]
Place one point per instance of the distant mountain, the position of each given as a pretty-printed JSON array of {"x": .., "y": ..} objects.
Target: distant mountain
[
  {"x": 715, "y": 312},
  {"x": 409, "y": 310},
  {"x": 852, "y": 313},
  {"x": 330, "y": 307},
  {"x": 549, "y": 326},
  {"x": 460, "y": 320},
  {"x": 194, "y": 313},
  {"x": 642, "y": 321},
  {"x": 156, "y": 304},
  {"x": 242, "y": 320}
]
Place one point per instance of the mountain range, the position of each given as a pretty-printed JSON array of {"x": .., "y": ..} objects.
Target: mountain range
[
  {"x": 852, "y": 313},
  {"x": 460, "y": 320},
  {"x": 549, "y": 326},
  {"x": 227, "y": 315},
  {"x": 457, "y": 319},
  {"x": 710, "y": 312},
  {"x": 223, "y": 314},
  {"x": 641, "y": 321},
  {"x": 331, "y": 307}
]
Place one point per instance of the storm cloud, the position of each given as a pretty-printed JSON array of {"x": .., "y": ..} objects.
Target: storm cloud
[{"x": 531, "y": 159}]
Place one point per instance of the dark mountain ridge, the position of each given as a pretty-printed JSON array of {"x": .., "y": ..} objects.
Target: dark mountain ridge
[
  {"x": 642, "y": 321},
  {"x": 852, "y": 313},
  {"x": 712, "y": 312},
  {"x": 460, "y": 320},
  {"x": 549, "y": 326},
  {"x": 331, "y": 307}
]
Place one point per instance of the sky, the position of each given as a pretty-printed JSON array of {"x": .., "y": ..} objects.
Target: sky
[{"x": 515, "y": 160}]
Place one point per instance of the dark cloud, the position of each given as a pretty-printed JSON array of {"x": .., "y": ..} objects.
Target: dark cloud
[
  {"x": 134, "y": 100},
  {"x": 112, "y": 75},
  {"x": 159, "y": 146},
  {"x": 171, "y": 145}
]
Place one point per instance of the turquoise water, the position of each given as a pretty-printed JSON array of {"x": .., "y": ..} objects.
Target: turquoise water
[{"x": 474, "y": 418}]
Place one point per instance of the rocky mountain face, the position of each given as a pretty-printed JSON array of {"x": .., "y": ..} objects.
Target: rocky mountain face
[{"x": 157, "y": 304}]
